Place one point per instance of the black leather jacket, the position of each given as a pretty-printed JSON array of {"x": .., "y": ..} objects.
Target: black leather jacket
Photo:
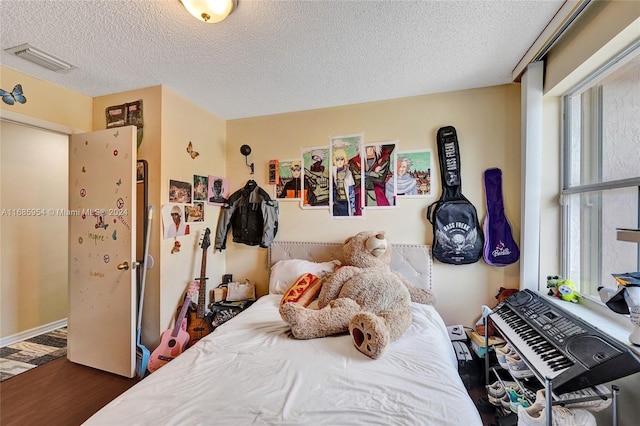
[{"x": 251, "y": 215}]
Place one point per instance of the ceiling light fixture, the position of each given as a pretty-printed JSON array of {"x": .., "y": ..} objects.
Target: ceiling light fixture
[
  {"x": 210, "y": 11},
  {"x": 42, "y": 58}
]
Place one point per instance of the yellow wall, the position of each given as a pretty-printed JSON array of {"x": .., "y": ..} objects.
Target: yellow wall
[
  {"x": 170, "y": 123},
  {"x": 184, "y": 122},
  {"x": 41, "y": 300},
  {"x": 488, "y": 125},
  {"x": 487, "y": 121},
  {"x": 47, "y": 101}
]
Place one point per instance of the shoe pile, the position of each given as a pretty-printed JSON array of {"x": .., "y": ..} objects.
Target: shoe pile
[{"x": 535, "y": 415}]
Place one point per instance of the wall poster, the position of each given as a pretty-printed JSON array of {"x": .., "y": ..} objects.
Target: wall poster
[
  {"x": 289, "y": 185},
  {"x": 379, "y": 176},
  {"x": 218, "y": 190},
  {"x": 180, "y": 192},
  {"x": 346, "y": 188},
  {"x": 415, "y": 173},
  {"x": 315, "y": 177}
]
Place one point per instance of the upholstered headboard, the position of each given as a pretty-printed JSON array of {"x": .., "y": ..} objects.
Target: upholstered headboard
[{"x": 411, "y": 260}]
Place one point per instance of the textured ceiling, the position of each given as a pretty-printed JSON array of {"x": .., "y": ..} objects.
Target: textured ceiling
[{"x": 277, "y": 56}]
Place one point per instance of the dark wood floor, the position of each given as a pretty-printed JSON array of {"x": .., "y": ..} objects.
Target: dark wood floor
[{"x": 58, "y": 393}]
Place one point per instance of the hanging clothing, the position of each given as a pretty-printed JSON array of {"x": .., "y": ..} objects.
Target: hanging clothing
[{"x": 251, "y": 215}]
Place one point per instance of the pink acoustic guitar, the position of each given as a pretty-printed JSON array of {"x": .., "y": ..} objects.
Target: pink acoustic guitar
[{"x": 173, "y": 341}]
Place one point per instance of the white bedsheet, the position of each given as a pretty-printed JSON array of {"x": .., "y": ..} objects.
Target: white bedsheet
[{"x": 250, "y": 371}]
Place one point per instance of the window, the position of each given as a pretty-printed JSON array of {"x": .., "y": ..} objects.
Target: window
[{"x": 601, "y": 176}]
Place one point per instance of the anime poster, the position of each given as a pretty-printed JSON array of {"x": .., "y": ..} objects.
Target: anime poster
[
  {"x": 200, "y": 188},
  {"x": 346, "y": 187},
  {"x": 180, "y": 192},
  {"x": 414, "y": 177},
  {"x": 379, "y": 177},
  {"x": 218, "y": 190},
  {"x": 195, "y": 213},
  {"x": 315, "y": 177},
  {"x": 289, "y": 184}
]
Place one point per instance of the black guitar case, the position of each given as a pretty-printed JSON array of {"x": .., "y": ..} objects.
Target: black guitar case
[{"x": 457, "y": 235}]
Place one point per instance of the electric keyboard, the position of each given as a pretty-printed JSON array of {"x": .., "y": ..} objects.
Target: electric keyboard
[{"x": 558, "y": 346}]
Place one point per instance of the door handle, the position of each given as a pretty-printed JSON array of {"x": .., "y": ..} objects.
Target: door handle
[{"x": 125, "y": 265}]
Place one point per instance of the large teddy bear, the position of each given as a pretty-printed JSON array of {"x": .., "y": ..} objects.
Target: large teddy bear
[{"x": 365, "y": 297}]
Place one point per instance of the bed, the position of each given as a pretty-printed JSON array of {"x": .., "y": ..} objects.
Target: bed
[{"x": 251, "y": 371}]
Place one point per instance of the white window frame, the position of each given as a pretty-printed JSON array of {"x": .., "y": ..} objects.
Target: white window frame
[{"x": 568, "y": 190}]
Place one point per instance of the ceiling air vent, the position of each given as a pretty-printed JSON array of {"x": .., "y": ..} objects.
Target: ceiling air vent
[{"x": 42, "y": 58}]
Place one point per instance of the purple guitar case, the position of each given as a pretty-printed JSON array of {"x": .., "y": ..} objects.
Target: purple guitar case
[{"x": 500, "y": 249}]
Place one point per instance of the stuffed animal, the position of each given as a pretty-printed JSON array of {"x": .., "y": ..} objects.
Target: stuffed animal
[
  {"x": 505, "y": 293},
  {"x": 562, "y": 288},
  {"x": 567, "y": 292},
  {"x": 552, "y": 284},
  {"x": 364, "y": 297}
]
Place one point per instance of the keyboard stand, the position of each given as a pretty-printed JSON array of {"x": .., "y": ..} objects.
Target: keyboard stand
[{"x": 548, "y": 384}]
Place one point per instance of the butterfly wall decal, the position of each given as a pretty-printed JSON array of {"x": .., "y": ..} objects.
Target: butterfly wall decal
[
  {"x": 191, "y": 152},
  {"x": 14, "y": 96}
]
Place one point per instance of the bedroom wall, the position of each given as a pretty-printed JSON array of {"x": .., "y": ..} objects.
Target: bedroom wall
[
  {"x": 33, "y": 285},
  {"x": 184, "y": 122},
  {"x": 34, "y": 258},
  {"x": 47, "y": 101},
  {"x": 170, "y": 123},
  {"x": 488, "y": 125}
]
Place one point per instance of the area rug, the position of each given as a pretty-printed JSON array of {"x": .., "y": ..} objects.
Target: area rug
[{"x": 31, "y": 353}]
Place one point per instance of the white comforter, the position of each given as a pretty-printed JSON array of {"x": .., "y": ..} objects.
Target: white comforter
[{"x": 250, "y": 371}]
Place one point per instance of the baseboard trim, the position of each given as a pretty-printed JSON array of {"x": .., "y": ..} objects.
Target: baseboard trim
[{"x": 28, "y": 334}]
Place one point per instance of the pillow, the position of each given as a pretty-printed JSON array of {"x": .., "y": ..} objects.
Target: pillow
[
  {"x": 304, "y": 290},
  {"x": 285, "y": 272}
]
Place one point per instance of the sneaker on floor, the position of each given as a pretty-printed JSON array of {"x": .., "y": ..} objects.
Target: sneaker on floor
[
  {"x": 532, "y": 416},
  {"x": 517, "y": 367},
  {"x": 501, "y": 355},
  {"x": 496, "y": 391},
  {"x": 505, "y": 401},
  {"x": 516, "y": 400},
  {"x": 535, "y": 415},
  {"x": 593, "y": 405}
]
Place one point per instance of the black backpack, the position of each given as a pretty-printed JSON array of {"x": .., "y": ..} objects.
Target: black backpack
[{"x": 457, "y": 235}]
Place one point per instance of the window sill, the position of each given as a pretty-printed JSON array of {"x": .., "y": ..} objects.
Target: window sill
[{"x": 599, "y": 316}]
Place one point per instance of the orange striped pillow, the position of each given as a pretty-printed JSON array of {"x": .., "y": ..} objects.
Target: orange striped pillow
[{"x": 304, "y": 290}]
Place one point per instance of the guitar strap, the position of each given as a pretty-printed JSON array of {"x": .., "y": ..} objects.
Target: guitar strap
[{"x": 500, "y": 249}]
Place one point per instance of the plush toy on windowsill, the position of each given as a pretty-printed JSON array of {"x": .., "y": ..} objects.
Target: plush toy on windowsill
[
  {"x": 552, "y": 284},
  {"x": 562, "y": 288}
]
